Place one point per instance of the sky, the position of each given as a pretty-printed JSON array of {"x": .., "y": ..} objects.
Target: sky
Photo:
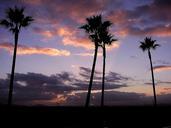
[{"x": 55, "y": 57}]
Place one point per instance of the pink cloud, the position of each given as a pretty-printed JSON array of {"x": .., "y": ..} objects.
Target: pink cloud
[
  {"x": 71, "y": 37},
  {"x": 26, "y": 50},
  {"x": 161, "y": 68}
]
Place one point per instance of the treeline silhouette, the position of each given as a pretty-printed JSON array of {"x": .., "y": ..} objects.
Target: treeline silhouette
[{"x": 98, "y": 33}]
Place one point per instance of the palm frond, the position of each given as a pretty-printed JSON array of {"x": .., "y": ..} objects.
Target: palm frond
[
  {"x": 15, "y": 19},
  {"x": 155, "y": 46},
  {"x": 85, "y": 27},
  {"x": 5, "y": 23},
  {"x": 106, "y": 24},
  {"x": 13, "y": 30},
  {"x": 148, "y": 44},
  {"x": 98, "y": 30},
  {"x": 26, "y": 21},
  {"x": 94, "y": 38}
]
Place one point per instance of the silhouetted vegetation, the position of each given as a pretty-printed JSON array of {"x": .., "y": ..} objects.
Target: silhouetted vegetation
[
  {"x": 15, "y": 20},
  {"x": 106, "y": 39},
  {"x": 99, "y": 35},
  {"x": 93, "y": 27},
  {"x": 147, "y": 45}
]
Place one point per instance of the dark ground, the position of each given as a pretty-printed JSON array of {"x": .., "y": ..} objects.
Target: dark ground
[{"x": 80, "y": 117}]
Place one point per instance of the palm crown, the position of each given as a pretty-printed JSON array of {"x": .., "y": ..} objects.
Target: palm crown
[
  {"x": 148, "y": 44},
  {"x": 107, "y": 38},
  {"x": 96, "y": 28},
  {"x": 15, "y": 19}
]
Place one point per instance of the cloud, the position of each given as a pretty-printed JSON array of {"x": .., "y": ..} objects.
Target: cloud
[
  {"x": 158, "y": 30},
  {"x": 161, "y": 68},
  {"x": 36, "y": 88},
  {"x": 66, "y": 89},
  {"x": 127, "y": 21},
  {"x": 113, "y": 80},
  {"x": 45, "y": 33},
  {"x": 137, "y": 21},
  {"x": 158, "y": 82},
  {"x": 164, "y": 82},
  {"x": 27, "y": 50},
  {"x": 116, "y": 77},
  {"x": 62, "y": 10},
  {"x": 71, "y": 36}
]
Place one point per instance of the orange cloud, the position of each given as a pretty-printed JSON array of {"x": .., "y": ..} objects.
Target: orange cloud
[
  {"x": 70, "y": 36},
  {"x": 26, "y": 50},
  {"x": 63, "y": 31},
  {"x": 161, "y": 68},
  {"x": 121, "y": 32},
  {"x": 85, "y": 43},
  {"x": 47, "y": 33},
  {"x": 161, "y": 31}
]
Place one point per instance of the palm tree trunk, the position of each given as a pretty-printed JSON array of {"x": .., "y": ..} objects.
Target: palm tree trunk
[
  {"x": 12, "y": 71},
  {"x": 103, "y": 79},
  {"x": 154, "y": 91},
  {"x": 91, "y": 77}
]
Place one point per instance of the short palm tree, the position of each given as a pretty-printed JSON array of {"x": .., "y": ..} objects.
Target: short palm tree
[
  {"x": 15, "y": 20},
  {"x": 107, "y": 39},
  {"x": 147, "y": 45}
]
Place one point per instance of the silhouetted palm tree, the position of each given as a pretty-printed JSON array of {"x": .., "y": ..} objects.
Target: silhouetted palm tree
[
  {"x": 107, "y": 39},
  {"x": 93, "y": 28},
  {"x": 15, "y": 20},
  {"x": 147, "y": 45}
]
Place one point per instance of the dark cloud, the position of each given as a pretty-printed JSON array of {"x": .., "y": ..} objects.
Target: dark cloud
[
  {"x": 164, "y": 82},
  {"x": 38, "y": 87},
  {"x": 34, "y": 86},
  {"x": 148, "y": 19},
  {"x": 115, "y": 77},
  {"x": 150, "y": 83},
  {"x": 158, "y": 30},
  {"x": 66, "y": 89},
  {"x": 158, "y": 82},
  {"x": 123, "y": 98},
  {"x": 164, "y": 99},
  {"x": 112, "y": 80},
  {"x": 163, "y": 3},
  {"x": 85, "y": 73},
  {"x": 115, "y": 98},
  {"x": 112, "y": 98},
  {"x": 64, "y": 11},
  {"x": 151, "y": 18}
]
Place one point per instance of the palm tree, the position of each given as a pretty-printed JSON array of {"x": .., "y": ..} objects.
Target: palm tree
[
  {"x": 15, "y": 20},
  {"x": 93, "y": 28},
  {"x": 107, "y": 39},
  {"x": 147, "y": 45}
]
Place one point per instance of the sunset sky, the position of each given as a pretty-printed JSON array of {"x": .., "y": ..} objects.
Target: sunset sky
[{"x": 54, "y": 56}]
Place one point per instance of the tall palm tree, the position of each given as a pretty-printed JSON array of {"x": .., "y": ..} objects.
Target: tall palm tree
[
  {"x": 147, "y": 45},
  {"x": 93, "y": 27},
  {"x": 107, "y": 39},
  {"x": 14, "y": 21}
]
